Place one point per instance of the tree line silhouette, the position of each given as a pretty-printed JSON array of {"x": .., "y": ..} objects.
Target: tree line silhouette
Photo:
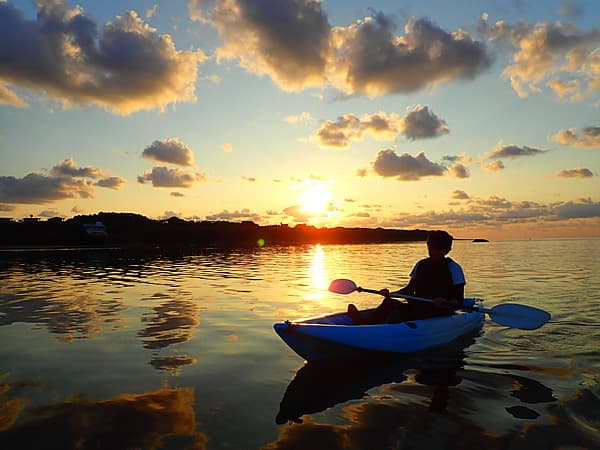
[{"x": 136, "y": 229}]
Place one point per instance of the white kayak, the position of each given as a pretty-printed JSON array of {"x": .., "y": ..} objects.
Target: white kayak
[{"x": 336, "y": 335}]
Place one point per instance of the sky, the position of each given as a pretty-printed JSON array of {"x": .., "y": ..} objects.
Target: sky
[{"x": 480, "y": 118}]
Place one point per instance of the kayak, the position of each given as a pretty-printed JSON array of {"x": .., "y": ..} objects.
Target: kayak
[{"x": 335, "y": 335}]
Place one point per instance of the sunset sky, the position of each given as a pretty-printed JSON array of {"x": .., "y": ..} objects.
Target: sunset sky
[{"x": 478, "y": 117}]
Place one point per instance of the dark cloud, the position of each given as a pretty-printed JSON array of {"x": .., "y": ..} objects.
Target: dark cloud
[
  {"x": 170, "y": 177},
  {"x": 571, "y": 210},
  {"x": 349, "y": 127},
  {"x": 111, "y": 183},
  {"x": 36, "y": 188},
  {"x": 422, "y": 123},
  {"x": 514, "y": 151},
  {"x": 586, "y": 137},
  {"x": 419, "y": 123},
  {"x": 292, "y": 42},
  {"x": 68, "y": 168},
  {"x": 405, "y": 167},
  {"x": 460, "y": 195},
  {"x": 458, "y": 170},
  {"x": 497, "y": 211},
  {"x": 580, "y": 172},
  {"x": 287, "y": 39},
  {"x": 244, "y": 214},
  {"x": 170, "y": 150},
  {"x": 125, "y": 67},
  {"x": 376, "y": 61}
]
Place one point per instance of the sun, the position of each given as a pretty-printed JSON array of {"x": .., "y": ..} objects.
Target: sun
[{"x": 316, "y": 199}]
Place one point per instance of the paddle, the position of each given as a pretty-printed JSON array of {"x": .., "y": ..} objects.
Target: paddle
[{"x": 506, "y": 314}]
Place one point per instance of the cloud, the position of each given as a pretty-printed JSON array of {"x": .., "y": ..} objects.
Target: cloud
[
  {"x": 161, "y": 176},
  {"x": 349, "y": 127},
  {"x": 170, "y": 150},
  {"x": 299, "y": 214},
  {"x": 586, "y": 137},
  {"x": 227, "y": 147},
  {"x": 419, "y": 123},
  {"x": 50, "y": 213},
  {"x": 302, "y": 117},
  {"x": 293, "y": 43},
  {"x": 124, "y": 67},
  {"x": 405, "y": 167},
  {"x": 36, "y": 188},
  {"x": 8, "y": 97},
  {"x": 493, "y": 166},
  {"x": 459, "y": 171},
  {"x": 566, "y": 90},
  {"x": 460, "y": 195},
  {"x": 549, "y": 51},
  {"x": 69, "y": 168},
  {"x": 512, "y": 151},
  {"x": 287, "y": 40},
  {"x": 244, "y": 214},
  {"x": 572, "y": 210},
  {"x": 151, "y": 12},
  {"x": 373, "y": 60},
  {"x": 111, "y": 183},
  {"x": 496, "y": 211},
  {"x": 580, "y": 172}
]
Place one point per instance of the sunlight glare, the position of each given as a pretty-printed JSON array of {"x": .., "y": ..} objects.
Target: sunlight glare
[{"x": 316, "y": 199}]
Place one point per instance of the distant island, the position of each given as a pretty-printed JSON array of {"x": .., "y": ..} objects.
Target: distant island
[{"x": 129, "y": 229}]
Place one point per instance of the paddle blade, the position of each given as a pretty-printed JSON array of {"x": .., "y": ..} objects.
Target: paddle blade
[
  {"x": 519, "y": 316},
  {"x": 342, "y": 286}
]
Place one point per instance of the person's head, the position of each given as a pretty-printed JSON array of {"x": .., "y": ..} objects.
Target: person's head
[{"x": 440, "y": 241}]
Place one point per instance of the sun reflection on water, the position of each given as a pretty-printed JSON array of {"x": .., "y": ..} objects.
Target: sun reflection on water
[{"x": 318, "y": 274}]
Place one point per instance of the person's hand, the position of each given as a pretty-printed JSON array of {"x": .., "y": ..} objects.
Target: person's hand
[{"x": 385, "y": 292}]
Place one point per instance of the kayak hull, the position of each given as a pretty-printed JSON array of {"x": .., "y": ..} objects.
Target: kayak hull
[{"x": 335, "y": 335}]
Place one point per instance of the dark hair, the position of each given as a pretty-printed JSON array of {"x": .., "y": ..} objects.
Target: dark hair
[{"x": 440, "y": 239}]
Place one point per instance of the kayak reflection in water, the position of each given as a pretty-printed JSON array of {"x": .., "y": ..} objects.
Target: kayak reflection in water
[
  {"x": 320, "y": 385},
  {"x": 436, "y": 277}
]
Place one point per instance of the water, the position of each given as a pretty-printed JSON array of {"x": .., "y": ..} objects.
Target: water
[{"x": 122, "y": 349}]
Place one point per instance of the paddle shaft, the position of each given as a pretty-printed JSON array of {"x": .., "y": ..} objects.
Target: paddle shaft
[
  {"x": 516, "y": 316},
  {"x": 408, "y": 297},
  {"x": 507, "y": 314}
]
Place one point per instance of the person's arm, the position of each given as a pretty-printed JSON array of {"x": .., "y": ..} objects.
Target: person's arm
[
  {"x": 456, "y": 295},
  {"x": 409, "y": 289},
  {"x": 454, "y": 300}
]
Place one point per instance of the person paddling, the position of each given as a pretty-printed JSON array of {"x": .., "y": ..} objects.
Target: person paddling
[{"x": 437, "y": 277}]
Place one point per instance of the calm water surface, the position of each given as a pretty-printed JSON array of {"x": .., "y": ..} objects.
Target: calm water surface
[{"x": 122, "y": 349}]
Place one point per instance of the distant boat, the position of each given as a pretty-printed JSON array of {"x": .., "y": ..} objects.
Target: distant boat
[{"x": 480, "y": 240}]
